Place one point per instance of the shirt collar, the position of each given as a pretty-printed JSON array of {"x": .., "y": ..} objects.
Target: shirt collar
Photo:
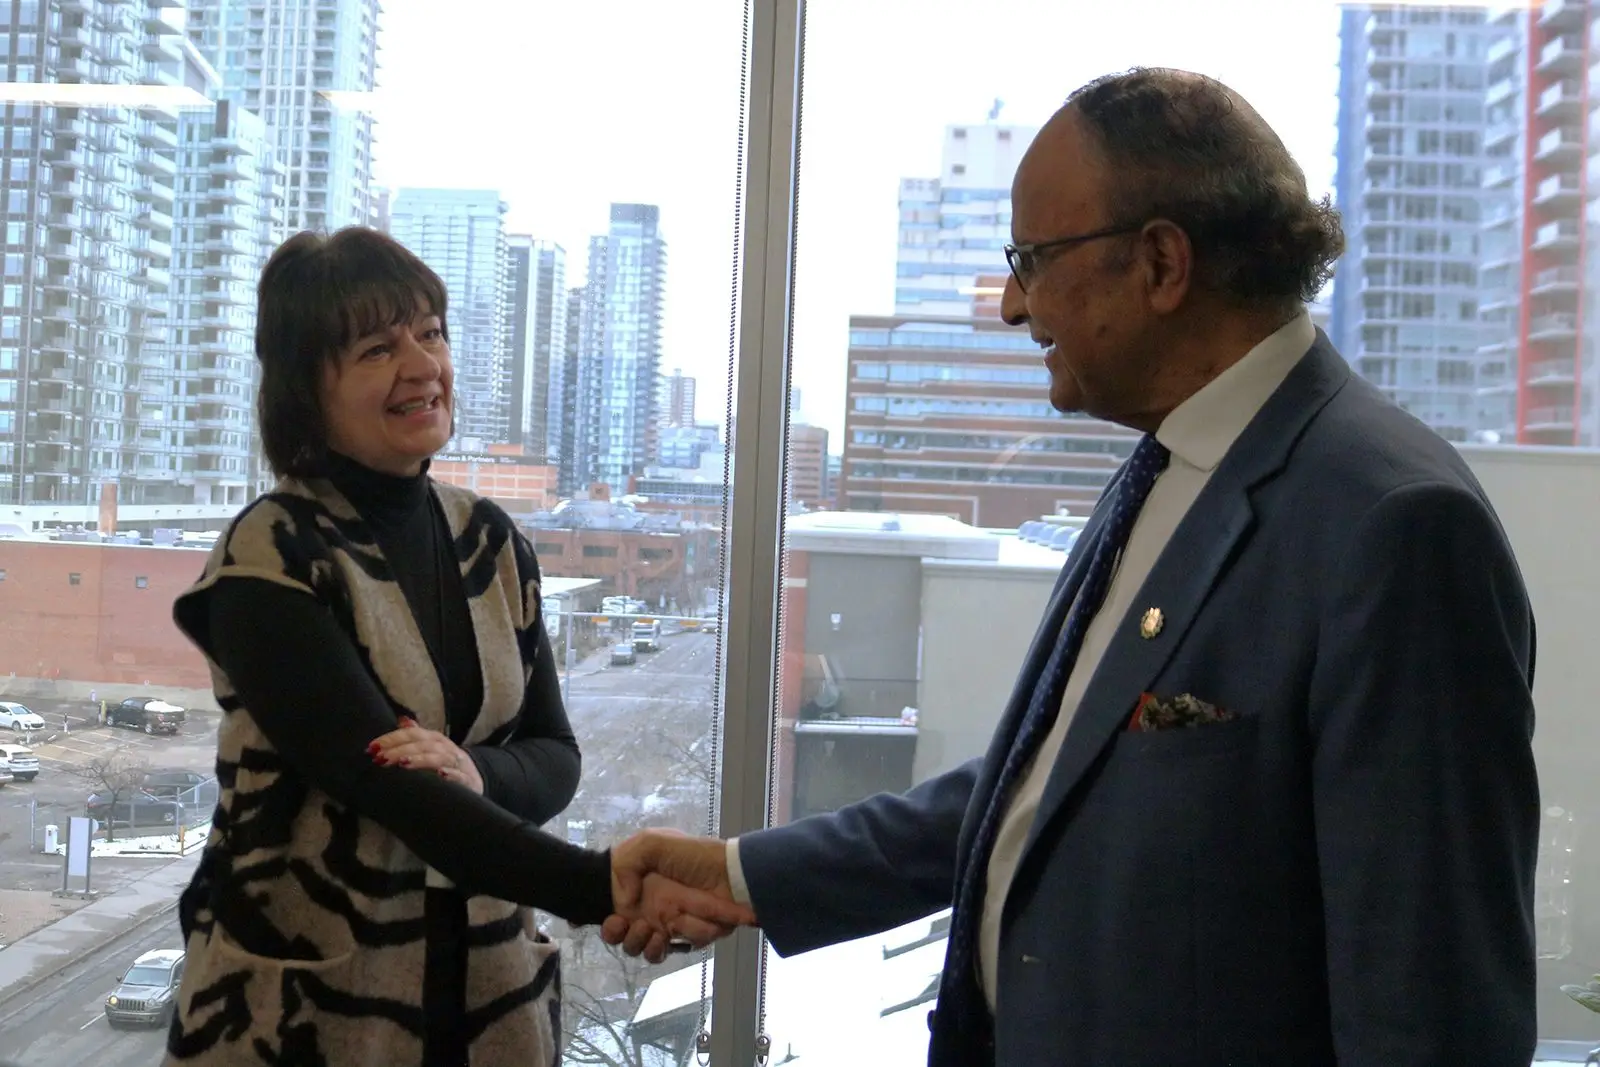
[{"x": 1200, "y": 430}]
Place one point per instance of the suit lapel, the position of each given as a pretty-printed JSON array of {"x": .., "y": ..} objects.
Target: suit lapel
[{"x": 1186, "y": 571}]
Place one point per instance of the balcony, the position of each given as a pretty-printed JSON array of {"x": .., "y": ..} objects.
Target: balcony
[
  {"x": 153, "y": 194},
  {"x": 1558, "y": 326},
  {"x": 1563, "y": 55},
  {"x": 1501, "y": 90},
  {"x": 228, "y": 168},
  {"x": 1561, "y": 235},
  {"x": 1558, "y": 190},
  {"x": 157, "y": 135},
  {"x": 1560, "y": 145},
  {"x": 149, "y": 161},
  {"x": 1552, "y": 372},
  {"x": 1500, "y": 49},
  {"x": 1556, "y": 280},
  {"x": 1500, "y": 133},
  {"x": 1562, "y": 99},
  {"x": 1548, "y": 418},
  {"x": 1563, "y": 15},
  {"x": 1499, "y": 175},
  {"x": 67, "y": 250},
  {"x": 1498, "y": 214}
]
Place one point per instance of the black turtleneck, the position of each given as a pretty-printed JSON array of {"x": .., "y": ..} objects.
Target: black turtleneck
[{"x": 303, "y": 681}]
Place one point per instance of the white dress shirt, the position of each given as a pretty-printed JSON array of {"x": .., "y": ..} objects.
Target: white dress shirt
[{"x": 1198, "y": 433}]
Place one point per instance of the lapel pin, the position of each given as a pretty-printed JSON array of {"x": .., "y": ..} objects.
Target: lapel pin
[{"x": 1151, "y": 623}]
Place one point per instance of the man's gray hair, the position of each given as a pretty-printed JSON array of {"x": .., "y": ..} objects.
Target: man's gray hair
[{"x": 1186, "y": 148}]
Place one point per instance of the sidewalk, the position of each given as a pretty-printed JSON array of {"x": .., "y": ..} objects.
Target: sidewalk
[{"x": 51, "y": 949}]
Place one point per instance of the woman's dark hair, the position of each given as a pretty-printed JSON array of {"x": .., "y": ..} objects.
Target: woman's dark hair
[
  {"x": 317, "y": 296},
  {"x": 1186, "y": 148}
]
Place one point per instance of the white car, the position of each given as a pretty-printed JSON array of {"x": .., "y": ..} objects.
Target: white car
[
  {"x": 20, "y": 762},
  {"x": 18, "y": 717}
]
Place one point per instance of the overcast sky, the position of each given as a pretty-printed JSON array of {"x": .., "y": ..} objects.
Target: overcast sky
[{"x": 565, "y": 107}]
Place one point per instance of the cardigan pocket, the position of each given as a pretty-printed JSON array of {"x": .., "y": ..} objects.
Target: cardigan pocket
[{"x": 351, "y": 1009}]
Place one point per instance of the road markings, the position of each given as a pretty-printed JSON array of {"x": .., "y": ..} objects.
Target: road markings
[{"x": 90, "y": 1023}]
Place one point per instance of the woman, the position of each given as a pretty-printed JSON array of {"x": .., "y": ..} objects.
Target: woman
[{"x": 393, "y": 730}]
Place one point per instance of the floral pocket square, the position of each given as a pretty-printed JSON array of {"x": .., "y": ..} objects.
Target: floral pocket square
[{"x": 1171, "y": 713}]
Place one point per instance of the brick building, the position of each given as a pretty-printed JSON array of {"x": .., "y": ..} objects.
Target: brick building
[
  {"x": 519, "y": 483},
  {"x": 97, "y": 613}
]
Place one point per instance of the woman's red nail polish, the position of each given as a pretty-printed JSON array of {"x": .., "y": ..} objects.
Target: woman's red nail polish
[
  {"x": 380, "y": 760},
  {"x": 404, "y": 761},
  {"x": 373, "y": 749}
]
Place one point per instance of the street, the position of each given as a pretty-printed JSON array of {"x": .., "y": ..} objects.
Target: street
[
  {"x": 61, "y": 1023},
  {"x": 638, "y": 725}
]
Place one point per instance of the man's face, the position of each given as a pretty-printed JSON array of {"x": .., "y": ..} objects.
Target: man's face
[{"x": 1083, "y": 303}]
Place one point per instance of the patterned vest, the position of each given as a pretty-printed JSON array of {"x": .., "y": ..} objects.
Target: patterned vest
[{"x": 304, "y": 922}]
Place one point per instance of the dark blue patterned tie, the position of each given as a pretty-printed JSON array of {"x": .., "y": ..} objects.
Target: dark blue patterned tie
[{"x": 1149, "y": 459}]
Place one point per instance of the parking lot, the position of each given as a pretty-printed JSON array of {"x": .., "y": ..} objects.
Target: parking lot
[{"x": 71, "y": 744}]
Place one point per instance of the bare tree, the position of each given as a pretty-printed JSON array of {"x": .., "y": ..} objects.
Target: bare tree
[
  {"x": 114, "y": 778},
  {"x": 597, "y": 1012}
]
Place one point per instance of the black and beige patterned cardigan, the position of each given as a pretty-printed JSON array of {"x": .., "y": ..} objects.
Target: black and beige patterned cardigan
[{"x": 312, "y": 873}]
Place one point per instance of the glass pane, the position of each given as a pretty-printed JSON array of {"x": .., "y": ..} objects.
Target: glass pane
[
  {"x": 570, "y": 172},
  {"x": 936, "y": 495}
]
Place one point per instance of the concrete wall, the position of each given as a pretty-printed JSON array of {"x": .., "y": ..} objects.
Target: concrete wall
[
  {"x": 874, "y": 651},
  {"x": 977, "y": 621},
  {"x": 1549, "y": 502}
]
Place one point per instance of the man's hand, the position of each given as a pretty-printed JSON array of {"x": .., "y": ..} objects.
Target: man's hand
[
  {"x": 668, "y": 885},
  {"x": 417, "y": 748}
]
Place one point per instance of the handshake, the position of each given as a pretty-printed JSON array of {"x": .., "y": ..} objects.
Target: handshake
[{"x": 670, "y": 888}]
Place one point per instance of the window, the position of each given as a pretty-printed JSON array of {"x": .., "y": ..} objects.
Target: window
[{"x": 869, "y": 610}]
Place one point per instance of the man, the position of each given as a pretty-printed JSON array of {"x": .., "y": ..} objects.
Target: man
[{"x": 1264, "y": 792}]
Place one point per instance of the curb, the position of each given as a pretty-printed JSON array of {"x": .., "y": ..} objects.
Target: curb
[{"x": 71, "y": 958}]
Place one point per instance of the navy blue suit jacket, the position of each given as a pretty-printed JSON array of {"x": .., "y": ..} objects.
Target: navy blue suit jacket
[{"x": 1343, "y": 874}]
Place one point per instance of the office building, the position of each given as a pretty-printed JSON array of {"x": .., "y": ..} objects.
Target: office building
[
  {"x": 561, "y": 433},
  {"x": 461, "y": 234},
  {"x": 536, "y": 321},
  {"x": 302, "y": 65},
  {"x": 620, "y": 348},
  {"x": 953, "y": 227},
  {"x": 674, "y": 399},
  {"x": 1413, "y": 145},
  {"x": 808, "y": 468},
  {"x": 952, "y": 416},
  {"x": 683, "y": 447}
]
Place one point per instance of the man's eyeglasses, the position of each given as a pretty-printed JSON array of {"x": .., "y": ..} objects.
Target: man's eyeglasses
[{"x": 1024, "y": 259}]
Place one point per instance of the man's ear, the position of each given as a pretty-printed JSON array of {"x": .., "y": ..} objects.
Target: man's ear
[{"x": 1167, "y": 260}]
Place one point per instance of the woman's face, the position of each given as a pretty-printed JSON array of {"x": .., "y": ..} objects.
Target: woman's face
[{"x": 386, "y": 398}]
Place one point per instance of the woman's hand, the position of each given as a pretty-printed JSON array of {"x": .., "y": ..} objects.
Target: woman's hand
[{"x": 421, "y": 749}]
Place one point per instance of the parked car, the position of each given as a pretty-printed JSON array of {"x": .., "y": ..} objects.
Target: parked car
[
  {"x": 148, "y": 993},
  {"x": 132, "y": 811},
  {"x": 6, "y": 778},
  {"x": 20, "y": 761},
  {"x": 14, "y": 716},
  {"x": 144, "y": 713},
  {"x": 162, "y": 798},
  {"x": 623, "y": 653},
  {"x": 172, "y": 782}
]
